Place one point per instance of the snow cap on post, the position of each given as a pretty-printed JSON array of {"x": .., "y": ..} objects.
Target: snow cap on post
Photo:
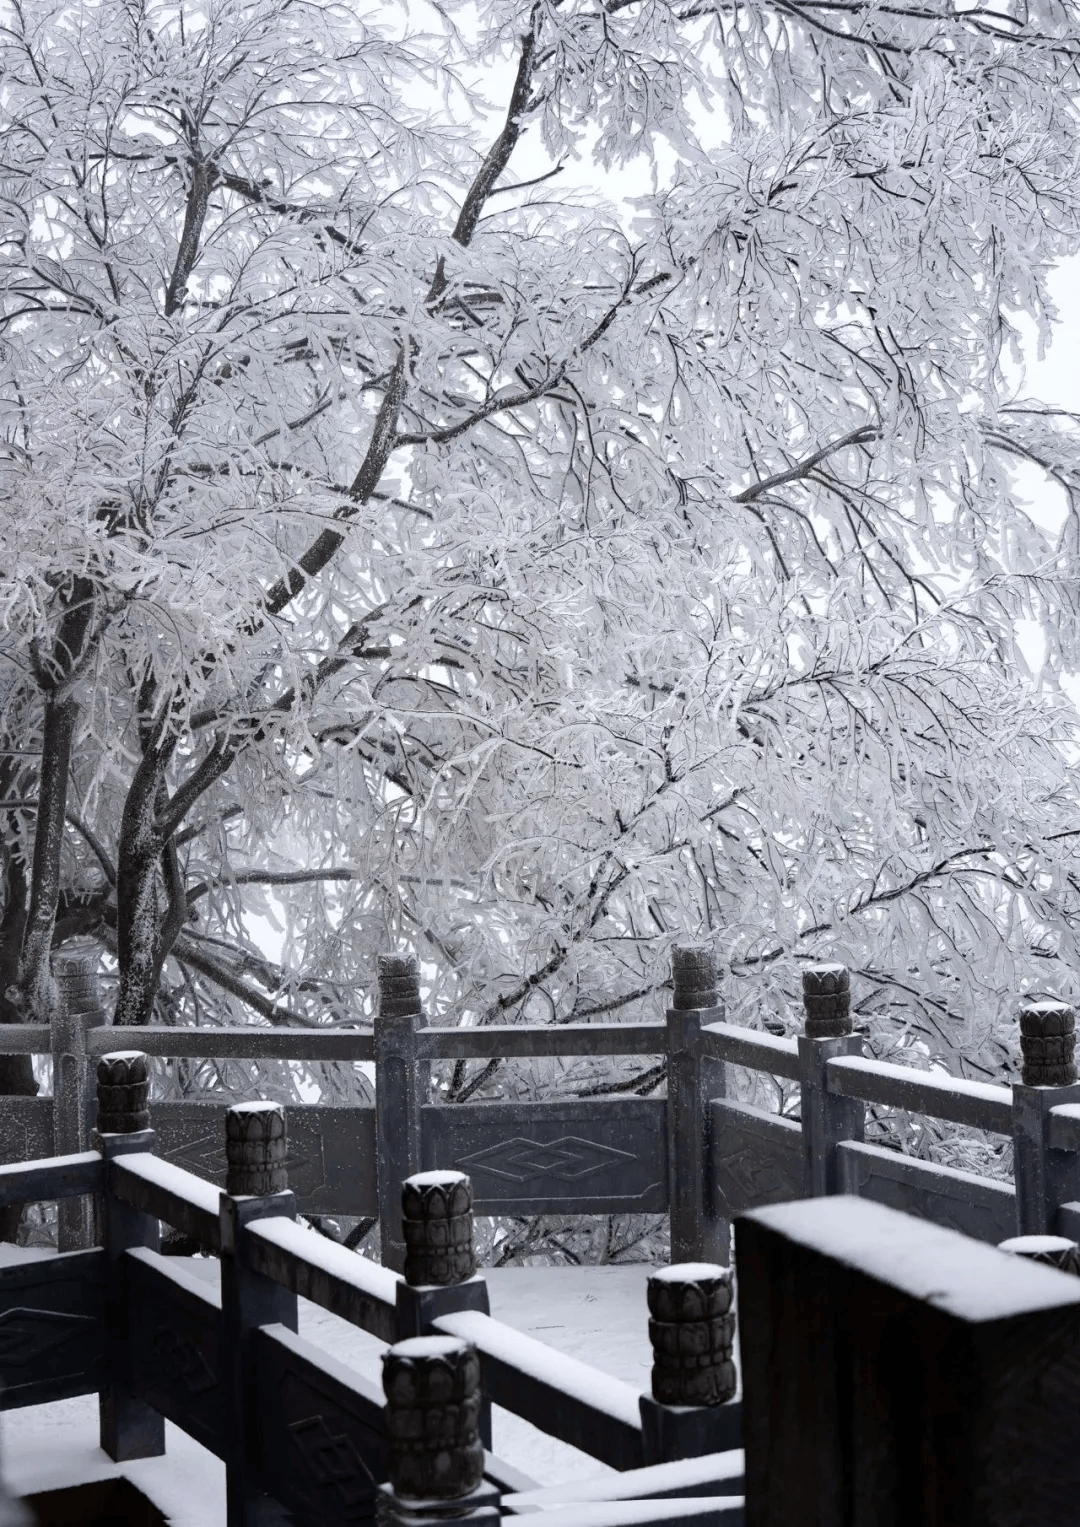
[
  {"x": 432, "y": 1387},
  {"x": 1047, "y": 1041},
  {"x": 123, "y": 1091},
  {"x": 693, "y": 972},
  {"x": 437, "y": 1218},
  {"x": 827, "y": 1001},
  {"x": 1054, "y": 1250},
  {"x": 692, "y": 1331},
  {"x": 255, "y": 1148},
  {"x": 399, "y": 985}
]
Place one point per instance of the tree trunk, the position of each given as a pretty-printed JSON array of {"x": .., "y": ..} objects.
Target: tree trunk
[
  {"x": 56, "y": 676},
  {"x": 27, "y": 931},
  {"x": 16, "y": 1071},
  {"x": 35, "y": 974},
  {"x": 138, "y": 912}
]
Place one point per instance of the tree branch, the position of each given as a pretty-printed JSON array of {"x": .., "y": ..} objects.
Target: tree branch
[
  {"x": 202, "y": 179},
  {"x": 384, "y": 439},
  {"x": 860, "y": 436},
  {"x": 185, "y": 952},
  {"x": 271, "y": 877}
]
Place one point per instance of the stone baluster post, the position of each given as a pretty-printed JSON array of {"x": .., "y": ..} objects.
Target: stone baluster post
[
  {"x": 1053, "y": 1250},
  {"x": 79, "y": 1005},
  {"x": 692, "y": 1409},
  {"x": 693, "y": 1078},
  {"x": 401, "y": 1090},
  {"x": 1044, "y": 1177},
  {"x": 440, "y": 1260},
  {"x": 896, "y": 1372},
  {"x": 434, "y": 1451},
  {"x": 255, "y": 1146},
  {"x": 437, "y": 1218},
  {"x": 256, "y": 1186},
  {"x": 129, "y": 1428},
  {"x": 826, "y": 1119}
]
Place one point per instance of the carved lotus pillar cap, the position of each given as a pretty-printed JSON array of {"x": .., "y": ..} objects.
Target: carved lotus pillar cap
[
  {"x": 437, "y": 1219},
  {"x": 1047, "y": 1041},
  {"x": 692, "y": 1331},
  {"x": 693, "y": 972},
  {"x": 1053, "y": 1250},
  {"x": 255, "y": 1146},
  {"x": 399, "y": 985},
  {"x": 432, "y": 1387},
  {"x": 77, "y": 982},
  {"x": 123, "y": 1090},
  {"x": 827, "y": 1001}
]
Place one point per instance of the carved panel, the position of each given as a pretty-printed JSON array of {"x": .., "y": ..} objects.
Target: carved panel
[
  {"x": 583, "y": 1157},
  {"x": 331, "y": 1151},
  {"x": 329, "y": 1462},
  {"x": 178, "y": 1358},
  {"x": 757, "y": 1158},
  {"x": 28, "y": 1336},
  {"x": 320, "y": 1432},
  {"x": 174, "y": 1343},
  {"x": 570, "y": 1159},
  {"x": 26, "y": 1130},
  {"x": 976, "y": 1206},
  {"x": 51, "y": 1328}
]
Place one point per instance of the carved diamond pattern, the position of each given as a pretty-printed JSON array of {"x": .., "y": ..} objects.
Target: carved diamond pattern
[
  {"x": 181, "y": 1360},
  {"x": 26, "y": 1335},
  {"x": 748, "y": 1179},
  {"x": 569, "y": 1159},
  {"x": 333, "y": 1461},
  {"x": 206, "y": 1157}
]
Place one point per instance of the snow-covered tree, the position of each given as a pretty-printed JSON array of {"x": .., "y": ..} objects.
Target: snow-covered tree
[{"x": 401, "y": 544}]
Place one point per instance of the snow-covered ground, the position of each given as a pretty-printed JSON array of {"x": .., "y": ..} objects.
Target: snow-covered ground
[{"x": 597, "y": 1314}]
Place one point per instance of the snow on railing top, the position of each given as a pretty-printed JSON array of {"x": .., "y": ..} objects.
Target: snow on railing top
[
  {"x": 330, "y": 1275},
  {"x": 979, "y": 1104},
  {"x": 579, "y": 1404},
  {"x": 752, "y": 1048}
]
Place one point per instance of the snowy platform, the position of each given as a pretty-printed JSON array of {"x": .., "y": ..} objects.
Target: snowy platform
[{"x": 597, "y": 1314}]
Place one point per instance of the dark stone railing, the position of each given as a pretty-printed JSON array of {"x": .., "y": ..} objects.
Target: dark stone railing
[
  {"x": 696, "y": 1154},
  {"x": 893, "y": 1371},
  {"x": 228, "y": 1366}
]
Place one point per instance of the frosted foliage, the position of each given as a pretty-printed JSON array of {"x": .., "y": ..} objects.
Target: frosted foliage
[{"x": 471, "y": 566}]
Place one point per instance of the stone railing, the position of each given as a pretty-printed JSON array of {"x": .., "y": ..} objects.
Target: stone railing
[{"x": 696, "y": 1154}]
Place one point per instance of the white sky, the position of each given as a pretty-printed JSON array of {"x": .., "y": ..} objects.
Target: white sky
[{"x": 1056, "y": 378}]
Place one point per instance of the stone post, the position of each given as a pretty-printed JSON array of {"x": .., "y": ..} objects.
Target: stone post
[
  {"x": 1045, "y": 1178},
  {"x": 1054, "y": 1250},
  {"x": 256, "y": 1187},
  {"x": 129, "y": 1428},
  {"x": 826, "y": 1119},
  {"x": 693, "y": 1078},
  {"x": 79, "y": 1004},
  {"x": 437, "y": 1218},
  {"x": 435, "y": 1455},
  {"x": 692, "y": 1331},
  {"x": 401, "y": 1090},
  {"x": 899, "y": 1374},
  {"x": 123, "y": 1093},
  {"x": 255, "y": 1150},
  {"x": 1047, "y": 1043},
  {"x": 440, "y": 1261}
]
